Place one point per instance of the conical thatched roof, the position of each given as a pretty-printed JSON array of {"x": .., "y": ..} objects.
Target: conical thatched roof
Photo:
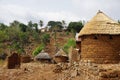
[
  {"x": 100, "y": 24},
  {"x": 60, "y": 53},
  {"x": 43, "y": 55}
]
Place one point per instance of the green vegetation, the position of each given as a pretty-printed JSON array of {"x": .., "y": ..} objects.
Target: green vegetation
[
  {"x": 38, "y": 49},
  {"x": 70, "y": 43},
  {"x": 75, "y": 26},
  {"x": 45, "y": 38},
  {"x": 18, "y": 37},
  {"x": 55, "y": 25}
]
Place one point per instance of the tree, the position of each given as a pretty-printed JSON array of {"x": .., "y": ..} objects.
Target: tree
[
  {"x": 36, "y": 26},
  {"x": 75, "y": 26},
  {"x": 15, "y": 23},
  {"x": 41, "y": 23},
  {"x": 3, "y": 26},
  {"x": 63, "y": 23},
  {"x": 119, "y": 21},
  {"x": 45, "y": 38},
  {"x": 23, "y": 27},
  {"x": 30, "y": 24},
  {"x": 55, "y": 25}
]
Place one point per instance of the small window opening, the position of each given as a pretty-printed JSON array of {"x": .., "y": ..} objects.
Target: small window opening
[
  {"x": 110, "y": 37},
  {"x": 95, "y": 37}
]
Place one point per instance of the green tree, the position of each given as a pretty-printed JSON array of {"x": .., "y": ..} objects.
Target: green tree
[
  {"x": 55, "y": 25},
  {"x": 15, "y": 23},
  {"x": 36, "y": 26},
  {"x": 23, "y": 27},
  {"x": 119, "y": 21},
  {"x": 45, "y": 38},
  {"x": 30, "y": 24},
  {"x": 41, "y": 23},
  {"x": 75, "y": 26},
  {"x": 3, "y": 26},
  {"x": 63, "y": 23}
]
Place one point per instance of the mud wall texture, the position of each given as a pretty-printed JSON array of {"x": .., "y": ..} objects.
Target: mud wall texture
[{"x": 100, "y": 48}]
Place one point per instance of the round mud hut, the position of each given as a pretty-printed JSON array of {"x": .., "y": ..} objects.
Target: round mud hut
[
  {"x": 100, "y": 40},
  {"x": 43, "y": 57}
]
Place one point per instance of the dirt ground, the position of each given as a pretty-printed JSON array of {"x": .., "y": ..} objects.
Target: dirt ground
[
  {"x": 29, "y": 71},
  {"x": 40, "y": 71}
]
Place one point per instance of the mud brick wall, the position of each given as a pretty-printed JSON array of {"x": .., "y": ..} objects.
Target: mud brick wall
[{"x": 104, "y": 49}]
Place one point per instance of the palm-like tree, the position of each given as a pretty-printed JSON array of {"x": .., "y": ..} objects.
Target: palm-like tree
[
  {"x": 41, "y": 23},
  {"x": 63, "y": 23}
]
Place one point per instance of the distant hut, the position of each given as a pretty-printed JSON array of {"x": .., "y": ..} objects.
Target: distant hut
[
  {"x": 13, "y": 61},
  {"x": 100, "y": 40},
  {"x": 43, "y": 57},
  {"x": 60, "y": 56},
  {"x": 25, "y": 58}
]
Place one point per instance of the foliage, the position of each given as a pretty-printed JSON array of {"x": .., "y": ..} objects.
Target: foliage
[
  {"x": 38, "y": 49},
  {"x": 70, "y": 43},
  {"x": 23, "y": 37},
  {"x": 16, "y": 46},
  {"x": 45, "y": 38},
  {"x": 3, "y": 26},
  {"x": 15, "y": 23},
  {"x": 23, "y": 27},
  {"x": 3, "y": 36},
  {"x": 67, "y": 33},
  {"x": 36, "y": 26},
  {"x": 41, "y": 23},
  {"x": 35, "y": 36},
  {"x": 55, "y": 25},
  {"x": 75, "y": 26}
]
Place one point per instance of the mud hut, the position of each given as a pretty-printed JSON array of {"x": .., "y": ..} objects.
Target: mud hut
[
  {"x": 25, "y": 58},
  {"x": 100, "y": 40},
  {"x": 43, "y": 57},
  {"x": 60, "y": 56},
  {"x": 13, "y": 61}
]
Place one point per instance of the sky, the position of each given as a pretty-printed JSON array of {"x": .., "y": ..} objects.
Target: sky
[{"x": 57, "y": 10}]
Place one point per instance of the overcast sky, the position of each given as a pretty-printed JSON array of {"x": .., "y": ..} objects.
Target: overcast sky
[{"x": 46, "y": 10}]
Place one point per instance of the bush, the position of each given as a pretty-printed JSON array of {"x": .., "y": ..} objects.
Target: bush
[
  {"x": 3, "y": 36},
  {"x": 70, "y": 43},
  {"x": 45, "y": 38},
  {"x": 23, "y": 38},
  {"x": 38, "y": 49}
]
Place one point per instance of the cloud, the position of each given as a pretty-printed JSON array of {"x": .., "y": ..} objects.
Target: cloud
[
  {"x": 15, "y": 12},
  {"x": 46, "y": 10}
]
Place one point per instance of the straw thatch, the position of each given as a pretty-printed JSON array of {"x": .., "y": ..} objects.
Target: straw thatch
[
  {"x": 60, "y": 56},
  {"x": 100, "y": 24},
  {"x": 43, "y": 56},
  {"x": 60, "y": 53}
]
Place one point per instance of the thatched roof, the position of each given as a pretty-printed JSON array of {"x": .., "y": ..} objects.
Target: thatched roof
[
  {"x": 60, "y": 53},
  {"x": 100, "y": 24},
  {"x": 43, "y": 55}
]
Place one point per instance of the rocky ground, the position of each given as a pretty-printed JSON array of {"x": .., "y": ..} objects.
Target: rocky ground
[{"x": 62, "y": 71}]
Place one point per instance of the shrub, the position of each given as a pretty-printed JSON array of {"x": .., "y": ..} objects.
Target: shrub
[
  {"x": 70, "y": 43},
  {"x": 38, "y": 49},
  {"x": 3, "y": 36},
  {"x": 45, "y": 38}
]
